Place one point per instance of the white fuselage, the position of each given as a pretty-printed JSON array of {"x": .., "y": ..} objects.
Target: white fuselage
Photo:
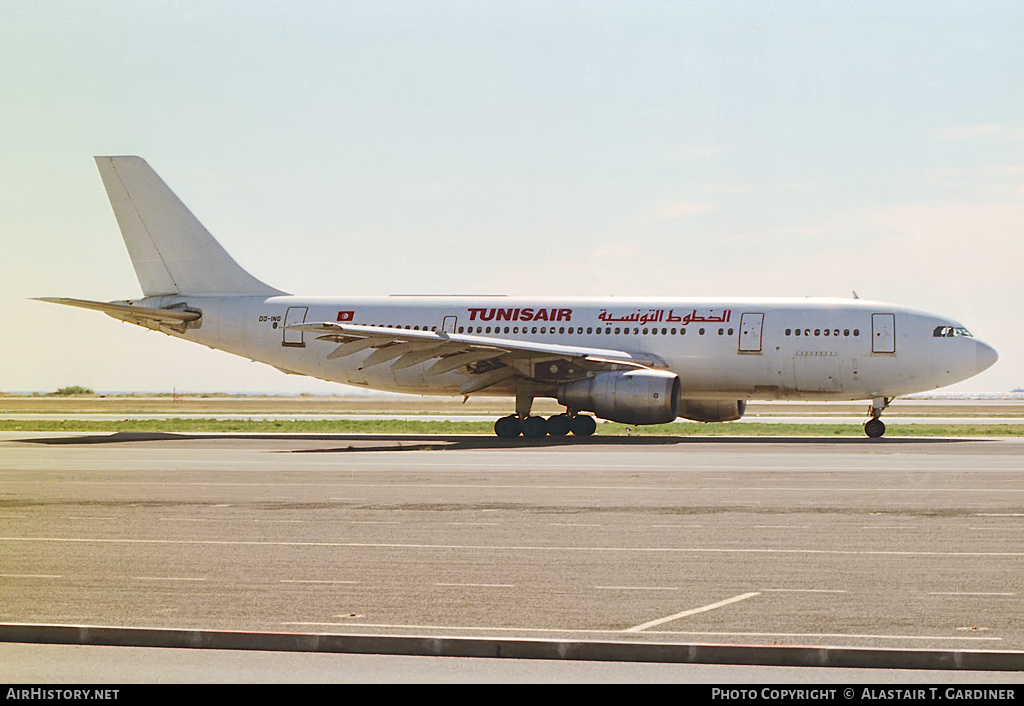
[{"x": 827, "y": 349}]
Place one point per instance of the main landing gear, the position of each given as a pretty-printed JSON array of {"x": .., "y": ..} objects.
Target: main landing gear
[
  {"x": 536, "y": 427},
  {"x": 874, "y": 427}
]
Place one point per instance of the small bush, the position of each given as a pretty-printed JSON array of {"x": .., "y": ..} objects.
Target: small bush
[{"x": 73, "y": 390}]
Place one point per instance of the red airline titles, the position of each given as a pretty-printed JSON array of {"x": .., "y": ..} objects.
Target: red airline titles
[{"x": 528, "y": 314}]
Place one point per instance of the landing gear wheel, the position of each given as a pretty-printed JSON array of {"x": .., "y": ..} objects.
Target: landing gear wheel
[
  {"x": 559, "y": 425},
  {"x": 535, "y": 427},
  {"x": 874, "y": 428},
  {"x": 582, "y": 425},
  {"x": 508, "y": 427}
]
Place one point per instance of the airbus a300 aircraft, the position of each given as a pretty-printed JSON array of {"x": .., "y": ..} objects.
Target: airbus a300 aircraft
[{"x": 635, "y": 361}]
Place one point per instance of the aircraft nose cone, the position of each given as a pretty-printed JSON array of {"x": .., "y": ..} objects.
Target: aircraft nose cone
[{"x": 986, "y": 356}]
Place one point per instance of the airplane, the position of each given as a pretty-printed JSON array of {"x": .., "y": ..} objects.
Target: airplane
[{"x": 630, "y": 360}]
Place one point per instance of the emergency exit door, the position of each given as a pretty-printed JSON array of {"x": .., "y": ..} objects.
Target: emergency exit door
[{"x": 750, "y": 332}]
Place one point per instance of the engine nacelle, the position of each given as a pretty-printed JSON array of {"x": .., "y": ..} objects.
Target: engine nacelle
[
  {"x": 628, "y": 396},
  {"x": 712, "y": 410}
]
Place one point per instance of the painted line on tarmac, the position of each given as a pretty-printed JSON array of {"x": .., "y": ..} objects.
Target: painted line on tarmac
[
  {"x": 692, "y": 611},
  {"x": 689, "y": 633},
  {"x": 516, "y": 648},
  {"x": 509, "y": 547}
]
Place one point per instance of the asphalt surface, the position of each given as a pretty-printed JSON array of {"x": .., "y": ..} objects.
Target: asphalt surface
[{"x": 855, "y": 542}]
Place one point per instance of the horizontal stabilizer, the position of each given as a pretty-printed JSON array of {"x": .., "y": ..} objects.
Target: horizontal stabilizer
[{"x": 143, "y": 316}]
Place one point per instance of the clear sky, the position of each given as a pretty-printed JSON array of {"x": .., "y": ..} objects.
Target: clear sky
[{"x": 634, "y": 148}]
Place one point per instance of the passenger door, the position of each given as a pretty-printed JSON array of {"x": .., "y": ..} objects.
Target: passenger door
[{"x": 883, "y": 333}]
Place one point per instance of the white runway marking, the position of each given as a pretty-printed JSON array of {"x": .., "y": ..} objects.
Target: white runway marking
[
  {"x": 801, "y": 590},
  {"x": 504, "y": 547},
  {"x": 694, "y": 611},
  {"x": 781, "y": 527},
  {"x": 531, "y": 486},
  {"x": 195, "y": 519},
  {"x": 478, "y": 585},
  {"x": 637, "y": 588},
  {"x": 166, "y": 578},
  {"x": 316, "y": 581},
  {"x": 31, "y": 576}
]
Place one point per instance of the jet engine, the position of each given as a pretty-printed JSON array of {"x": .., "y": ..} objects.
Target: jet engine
[
  {"x": 628, "y": 396},
  {"x": 712, "y": 410}
]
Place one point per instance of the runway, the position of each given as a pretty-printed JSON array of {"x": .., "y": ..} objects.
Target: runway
[{"x": 893, "y": 543}]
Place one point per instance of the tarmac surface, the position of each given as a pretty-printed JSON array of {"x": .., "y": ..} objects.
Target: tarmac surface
[{"x": 909, "y": 543}]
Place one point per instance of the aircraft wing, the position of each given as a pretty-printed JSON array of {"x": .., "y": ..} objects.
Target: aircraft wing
[
  {"x": 176, "y": 319},
  {"x": 488, "y": 359}
]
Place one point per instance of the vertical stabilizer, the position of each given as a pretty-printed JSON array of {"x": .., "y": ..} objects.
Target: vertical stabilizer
[{"x": 171, "y": 250}]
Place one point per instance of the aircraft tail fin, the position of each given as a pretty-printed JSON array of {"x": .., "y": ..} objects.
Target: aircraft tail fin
[{"x": 170, "y": 249}]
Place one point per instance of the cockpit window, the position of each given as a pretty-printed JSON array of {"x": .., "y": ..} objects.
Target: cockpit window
[{"x": 951, "y": 332}]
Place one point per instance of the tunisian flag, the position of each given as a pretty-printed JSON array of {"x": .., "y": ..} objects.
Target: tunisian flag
[{"x": 346, "y": 315}]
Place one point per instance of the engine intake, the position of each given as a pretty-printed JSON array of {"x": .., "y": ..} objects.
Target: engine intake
[{"x": 628, "y": 397}]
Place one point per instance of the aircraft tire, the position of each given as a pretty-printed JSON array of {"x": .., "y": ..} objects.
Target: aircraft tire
[
  {"x": 508, "y": 427},
  {"x": 874, "y": 428},
  {"x": 582, "y": 425},
  {"x": 559, "y": 425},
  {"x": 535, "y": 427}
]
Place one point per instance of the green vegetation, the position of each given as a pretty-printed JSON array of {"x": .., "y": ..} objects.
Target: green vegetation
[
  {"x": 398, "y": 426},
  {"x": 73, "y": 390}
]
